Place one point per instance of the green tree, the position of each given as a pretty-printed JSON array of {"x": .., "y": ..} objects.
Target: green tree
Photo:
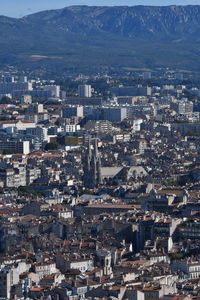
[
  {"x": 6, "y": 100},
  {"x": 51, "y": 146}
]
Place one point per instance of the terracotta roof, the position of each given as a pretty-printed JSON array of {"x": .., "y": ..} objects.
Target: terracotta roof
[
  {"x": 108, "y": 205},
  {"x": 37, "y": 289}
]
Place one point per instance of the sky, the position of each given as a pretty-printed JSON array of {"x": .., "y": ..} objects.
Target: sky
[{"x": 19, "y": 8}]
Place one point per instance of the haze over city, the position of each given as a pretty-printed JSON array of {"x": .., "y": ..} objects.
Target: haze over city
[{"x": 20, "y": 8}]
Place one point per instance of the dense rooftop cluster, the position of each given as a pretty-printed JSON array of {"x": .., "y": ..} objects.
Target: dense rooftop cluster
[{"x": 99, "y": 192}]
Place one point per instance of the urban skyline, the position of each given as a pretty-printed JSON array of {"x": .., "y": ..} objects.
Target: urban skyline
[{"x": 99, "y": 151}]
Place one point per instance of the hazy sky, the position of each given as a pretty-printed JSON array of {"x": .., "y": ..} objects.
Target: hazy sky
[{"x": 18, "y": 8}]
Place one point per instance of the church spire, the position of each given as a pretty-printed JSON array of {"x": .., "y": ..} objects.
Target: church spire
[{"x": 92, "y": 165}]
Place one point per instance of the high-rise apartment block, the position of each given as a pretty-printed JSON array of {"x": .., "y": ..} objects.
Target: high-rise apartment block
[
  {"x": 72, "y": 111},
  {"x": 85, "y": 90}
]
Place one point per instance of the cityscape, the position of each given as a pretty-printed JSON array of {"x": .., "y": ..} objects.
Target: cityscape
[{"x": 99, "y": 172}]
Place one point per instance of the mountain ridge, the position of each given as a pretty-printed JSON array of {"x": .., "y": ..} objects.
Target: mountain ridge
[{"x": 119, "y": 36}]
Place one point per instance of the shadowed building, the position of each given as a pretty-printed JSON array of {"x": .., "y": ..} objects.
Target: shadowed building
[{"x": 92, "y": 166}]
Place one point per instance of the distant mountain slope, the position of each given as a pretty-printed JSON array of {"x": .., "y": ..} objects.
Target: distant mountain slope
[{"x": 84, "y": 38}]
